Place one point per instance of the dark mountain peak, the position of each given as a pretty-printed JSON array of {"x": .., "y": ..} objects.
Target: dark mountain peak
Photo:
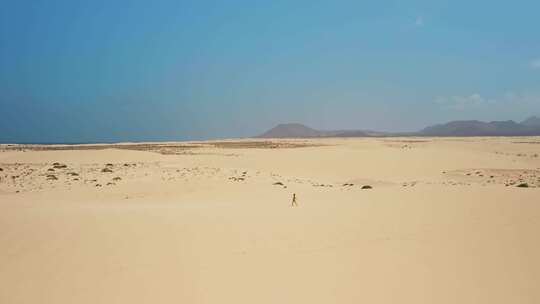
[
  {"x": 296, "y": 130},
  {"x": 291, "y": 130}
]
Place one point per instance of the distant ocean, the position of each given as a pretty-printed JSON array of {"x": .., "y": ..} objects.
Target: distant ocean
[{"x": 58, "y": 143}]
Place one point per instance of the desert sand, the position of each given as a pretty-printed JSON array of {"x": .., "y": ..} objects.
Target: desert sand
[{"x": 212, "y": 222}]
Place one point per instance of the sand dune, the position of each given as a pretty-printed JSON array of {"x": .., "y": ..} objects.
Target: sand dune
[{"x": 211, "y": 222}]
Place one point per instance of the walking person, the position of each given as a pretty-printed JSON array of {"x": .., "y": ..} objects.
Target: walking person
[{"x": 294, "y": 203}]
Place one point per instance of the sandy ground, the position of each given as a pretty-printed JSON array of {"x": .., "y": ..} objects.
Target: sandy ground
[{"x": 211, "y": 222}]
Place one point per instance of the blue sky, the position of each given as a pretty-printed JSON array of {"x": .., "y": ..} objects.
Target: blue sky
[{"x": 78, "y": 71}]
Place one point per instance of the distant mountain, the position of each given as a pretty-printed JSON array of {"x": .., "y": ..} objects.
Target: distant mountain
[
  {"x": 295, "y": 130},
  {"x": 291, "y": 130},
  {"x": 530, "y": 126}
]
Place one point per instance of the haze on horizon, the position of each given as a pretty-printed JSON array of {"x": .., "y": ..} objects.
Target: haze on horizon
[{"x": 87, "y": 71}]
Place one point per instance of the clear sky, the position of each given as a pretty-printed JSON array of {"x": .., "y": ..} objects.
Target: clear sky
[{"x": 79, "y": 71}]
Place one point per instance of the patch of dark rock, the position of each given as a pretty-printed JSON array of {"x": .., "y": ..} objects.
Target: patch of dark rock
[
  {"x": 51, "y": 177},
  {"x": 106, "y": 170},
  {"x": 523, "y": 185},
  {"x": 117, "y": 179},
  {"x": 236, "y": 179},
  {"x": 278, "y": 184},
  {"x": 367, "y": 187},
  {"x": 73, "y": 174}
]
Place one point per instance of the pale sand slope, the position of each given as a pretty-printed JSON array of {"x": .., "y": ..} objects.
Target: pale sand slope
[{"x": 439, "y": 226}]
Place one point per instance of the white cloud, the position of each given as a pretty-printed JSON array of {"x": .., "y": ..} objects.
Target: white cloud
[
  {"x": 519, "y": 104},
  {"x": 461, "y": 103},
  {"x": 535, "y": 64},
  {"x": 419, "y": 21}
]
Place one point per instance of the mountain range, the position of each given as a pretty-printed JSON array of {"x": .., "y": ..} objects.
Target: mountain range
[
  {"x": 296, "y": 130},
  {"x": 528, "y": 127}
]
